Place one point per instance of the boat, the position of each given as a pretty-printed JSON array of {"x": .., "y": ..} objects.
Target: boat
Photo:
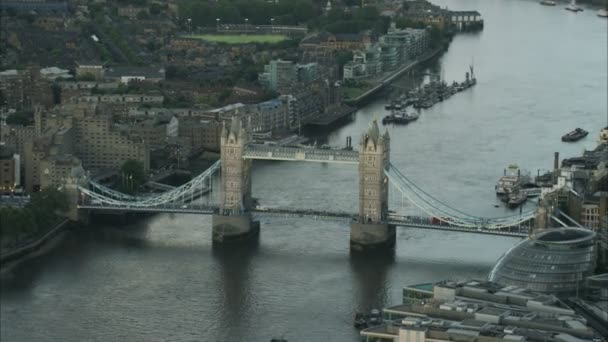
[
  {"x": 517, "y": 198},
  {"x": 603, "y": 13},
  {"x": 512, "y": 178},
  {"x": 413, "y": 116},
  {"x": 575, "y": 135},
  {"x": 573, "y": 7},
  {"x": 360, "y": 321},
  {"x": 532, "y": 190},
  {"x": 603, "y": 136},
  {"x": 374, "y": 317},
  {"x": 548, "y": 2},
  {"x": 400, "y": 117}
]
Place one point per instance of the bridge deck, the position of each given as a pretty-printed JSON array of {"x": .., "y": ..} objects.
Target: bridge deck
[
  {"x": 181, "y": 209},
  {"x": 300, "y": 154},
  {"x": 402, "y": 221}
]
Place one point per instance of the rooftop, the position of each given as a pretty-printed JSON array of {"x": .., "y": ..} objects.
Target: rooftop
[
  {"x": 565, "y": 235},
  {"x": 493, "y": 311},
  {"x": 149, "y": 72}
]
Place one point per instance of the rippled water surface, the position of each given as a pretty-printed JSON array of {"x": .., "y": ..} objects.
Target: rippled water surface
[{"x": 541, "y": 72}]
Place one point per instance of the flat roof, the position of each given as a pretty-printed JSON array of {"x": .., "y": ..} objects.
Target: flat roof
[
  {"x": 423, "y": 286},
  {"x": 492, "y": 311}
]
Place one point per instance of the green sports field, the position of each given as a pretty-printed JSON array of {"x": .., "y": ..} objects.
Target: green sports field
[{"x": 240, "y": 38}]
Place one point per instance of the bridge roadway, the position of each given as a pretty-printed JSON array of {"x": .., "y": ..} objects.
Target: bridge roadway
[
  {"x": 397, "y": 220},
  {"x": 269, "y": 152},
  {"x": 177, "y": 208},
  {"x": 402, "y": 221}
]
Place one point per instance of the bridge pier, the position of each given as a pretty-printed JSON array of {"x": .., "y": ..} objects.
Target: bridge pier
[
  {"x": 234, "y": 228},
  {"x": 371, "y": 236}
]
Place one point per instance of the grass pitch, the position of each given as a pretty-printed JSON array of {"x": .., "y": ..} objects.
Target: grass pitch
[{"x": 240, "y": 38}]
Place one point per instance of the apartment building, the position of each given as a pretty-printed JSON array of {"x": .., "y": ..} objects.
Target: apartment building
[
  {"x": 10, "y": 175},
  {"x": 101, "y": 147}
]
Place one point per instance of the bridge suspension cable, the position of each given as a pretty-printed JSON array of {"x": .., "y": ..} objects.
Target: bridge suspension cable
[
  {"x": 186, "y": 191},
  {"x": 444, "y": 212}
]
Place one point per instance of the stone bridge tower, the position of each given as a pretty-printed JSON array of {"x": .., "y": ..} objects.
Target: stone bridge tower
[
  {"x": 371, "y": 229},
  {"x": 233, "y": 222},
  {"x": 77, "y": 177}
]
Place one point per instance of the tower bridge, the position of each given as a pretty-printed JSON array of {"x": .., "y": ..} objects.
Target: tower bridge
[{"x": 234, "y": 217}]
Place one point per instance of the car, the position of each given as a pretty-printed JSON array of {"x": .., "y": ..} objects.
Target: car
[{"x": 184, "y": 207}]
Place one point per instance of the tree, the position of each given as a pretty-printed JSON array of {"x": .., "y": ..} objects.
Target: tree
[
  {"x": 154, "y": 8},
  {"x": 132, "y": 175},
  {"x": 176, "y": 72},
  {"x": 142, "y": 15},
  {"x": 343, "y": 57},
  {"x": 47, "y": 205},
  {"x": 24, "y": 118},
  {"x": 56, "y": 90}
]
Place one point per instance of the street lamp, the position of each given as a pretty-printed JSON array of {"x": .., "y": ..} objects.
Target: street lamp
[
  {"x": 189, "y": 21},
  {"x": 217, "y": 20},
  {"x": 272, "y": 25},
  {"x": 246, "y": 22}
]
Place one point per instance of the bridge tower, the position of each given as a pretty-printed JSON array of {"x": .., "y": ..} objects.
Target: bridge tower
[
  {"x": 371, "y": 229},
  {"x": 233, "y": 222},
  {"x": 77, "y": 177}
]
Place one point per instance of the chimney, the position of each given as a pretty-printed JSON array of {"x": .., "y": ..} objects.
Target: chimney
[{"x": 556, "y": 161}]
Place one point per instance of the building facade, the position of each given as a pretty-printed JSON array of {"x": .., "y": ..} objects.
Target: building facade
[
  {"x": 236, "y": 171},
  {"x": 374, "y": 151},
  {"x": 100, "y": 147},
  {"x": 10, "y": 170},
  {"x": 279, "y": 75}
]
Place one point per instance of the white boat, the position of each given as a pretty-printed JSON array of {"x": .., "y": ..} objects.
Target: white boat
[
  {"x": 548, "y": 2},
  {"x": 602, "y": 13},
  {"x": 512, "y": 179},
  {"x": 573, "y": 7},
  {"x": 603, "y": 136}
]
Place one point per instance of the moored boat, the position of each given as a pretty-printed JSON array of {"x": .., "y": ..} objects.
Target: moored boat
[
  {"x": 374, "y": 318},
  {"x": 512, "y": 178},
  {"x": 360, "y": 321},
  {"x": 532, "y": 190},
  {"x": 517, "y": 198},
  {"x": 572, "y": 6},
  {"x": 575, "y": 135},
  {"x": 400, "y": 117},
  {"x": 548, "y": 2},
  {"x": 603, "y": 135},
  {"x": 602, "y": 13}
]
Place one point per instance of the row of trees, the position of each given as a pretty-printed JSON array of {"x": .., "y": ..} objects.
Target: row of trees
[
  {"x": 258, "y": 12},
  {"x": 41, "y": 214},
  {"x": 354, "y": 21}
]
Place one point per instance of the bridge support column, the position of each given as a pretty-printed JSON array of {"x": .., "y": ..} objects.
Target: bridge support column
[
  {"x": 234, "y": 228},
  {"x": 368, "y": 236},
  {"x": 371, "y": 229}
]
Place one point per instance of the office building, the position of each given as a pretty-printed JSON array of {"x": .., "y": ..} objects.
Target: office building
[
  {"x": 479, "y": 311},
  {"x": 556, "y": 260}
]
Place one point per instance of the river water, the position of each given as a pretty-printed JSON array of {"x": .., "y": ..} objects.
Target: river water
[{"x": 541, "y": 72}]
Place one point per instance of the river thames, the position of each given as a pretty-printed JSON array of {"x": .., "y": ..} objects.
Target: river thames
[{"x": 541, "y": 72}]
